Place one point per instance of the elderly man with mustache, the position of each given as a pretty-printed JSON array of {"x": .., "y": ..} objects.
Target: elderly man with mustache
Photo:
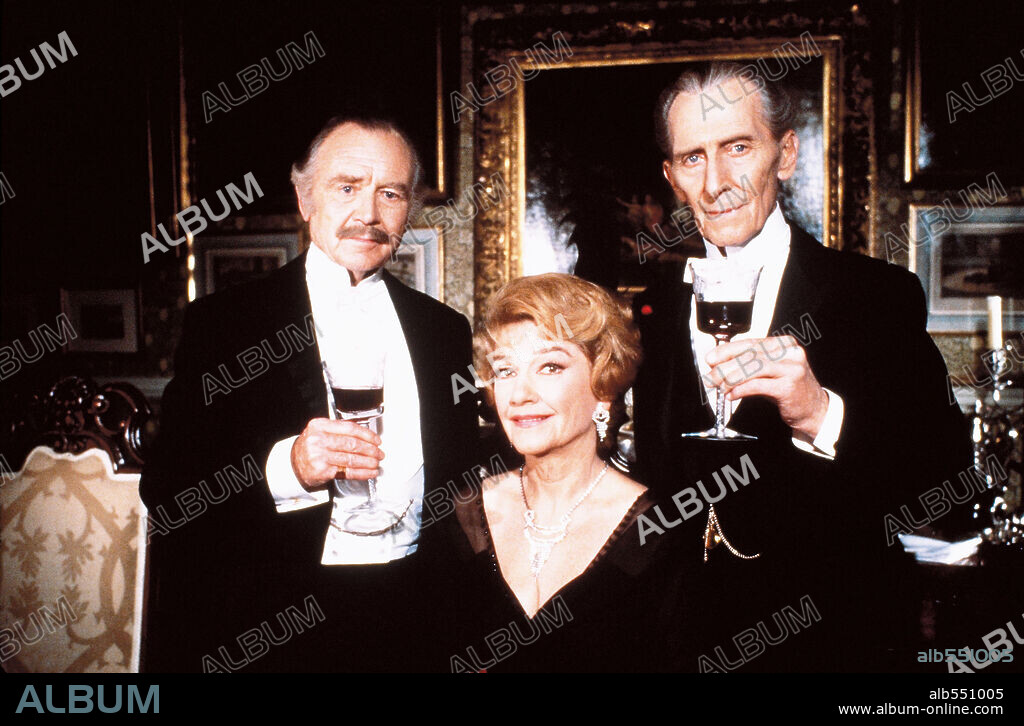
[{"x": 268, "y": 577}]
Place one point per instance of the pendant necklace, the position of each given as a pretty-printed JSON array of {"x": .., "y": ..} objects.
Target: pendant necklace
[{"x": 543, "y": 539}]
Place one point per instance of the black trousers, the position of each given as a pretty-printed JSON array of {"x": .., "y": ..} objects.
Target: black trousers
[{"x": 369, "y": 618}]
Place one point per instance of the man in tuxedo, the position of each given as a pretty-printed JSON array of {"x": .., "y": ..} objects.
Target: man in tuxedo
[
  {"x": 250, "y": 566},
  {"x": 837, "y": 378}
]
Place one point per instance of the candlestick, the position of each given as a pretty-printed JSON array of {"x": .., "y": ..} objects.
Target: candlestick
[{"x": 995, "y": 322}]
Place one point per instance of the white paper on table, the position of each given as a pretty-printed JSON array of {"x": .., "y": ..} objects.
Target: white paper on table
[{"x": 929, "y": 549}]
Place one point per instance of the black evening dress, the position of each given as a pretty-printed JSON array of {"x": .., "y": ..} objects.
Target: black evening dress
[{"x": 624, "y": 613}]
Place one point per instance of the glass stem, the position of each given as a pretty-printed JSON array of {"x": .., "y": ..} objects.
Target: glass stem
[
  {"x": 371, "y": 483},
  {"x": 720, "y": 405}
]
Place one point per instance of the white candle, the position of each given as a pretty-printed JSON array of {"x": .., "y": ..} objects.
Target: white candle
[{"x": 995, "y": 322}]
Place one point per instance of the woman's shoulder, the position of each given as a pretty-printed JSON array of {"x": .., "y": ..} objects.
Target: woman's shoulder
[
  {"x": 624, "y": 482},
  {"x": 626, "y": 493},
  {"x": 478, "y": 506}
]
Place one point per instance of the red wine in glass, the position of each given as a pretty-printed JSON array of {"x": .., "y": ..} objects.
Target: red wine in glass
[
  {"x": 725, "y": 319},
  {"x": 355, "y": 403},
  {"x": 724, "y": 293}
]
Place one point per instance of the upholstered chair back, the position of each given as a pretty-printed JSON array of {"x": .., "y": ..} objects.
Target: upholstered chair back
[{"x": 73, "y": 531}]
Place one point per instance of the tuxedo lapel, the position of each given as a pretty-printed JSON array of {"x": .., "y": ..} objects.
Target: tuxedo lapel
[
  {"x": 670, "y": 378},
  {"x": 418, "y": 334},
  {"x": 686, "y": 387},
  {"x": 800, "y": 290},
  {"x": 303, "y": 366},
  {"x": 427, "y": 365}
]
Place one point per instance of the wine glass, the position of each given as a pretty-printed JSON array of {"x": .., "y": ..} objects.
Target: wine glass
[
  {"x": 724, "y": 292},
  {"x": 355, "y": 386}
]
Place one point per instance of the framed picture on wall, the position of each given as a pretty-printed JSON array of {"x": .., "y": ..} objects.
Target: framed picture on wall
[
  {"x": 224, "y": 261},
  {"x": 104, "y": 321},
  {"x": 418, "y": 261},
  {"x": 566, "y": 208},
  {"x": 962, "y": 263}
]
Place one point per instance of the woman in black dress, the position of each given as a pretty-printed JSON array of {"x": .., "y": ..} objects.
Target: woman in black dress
[{"x": 553, "y": 573}]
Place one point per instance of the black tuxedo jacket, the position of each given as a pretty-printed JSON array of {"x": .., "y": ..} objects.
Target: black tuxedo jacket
[
  {"x": 247, "y": 374},
  {"x": 818, "y": 525}
]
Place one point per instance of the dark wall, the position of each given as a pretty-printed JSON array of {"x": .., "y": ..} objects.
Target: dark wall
[
  {"x": 77, "y": 141},
  {"x": 75, "y": 155},
  {"x": 377, "y": 58},
  {"x": 76, "y": 145}
]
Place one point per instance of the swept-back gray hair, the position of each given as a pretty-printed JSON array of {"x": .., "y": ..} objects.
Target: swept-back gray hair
[
  {"x": 304, "y": 169},
  {"x": 778, "y": 109}
]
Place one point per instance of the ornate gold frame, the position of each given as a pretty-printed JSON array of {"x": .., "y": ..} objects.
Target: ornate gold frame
[
  {"x": 500, "y": 139},
  {"x": 660, "y": 32}
]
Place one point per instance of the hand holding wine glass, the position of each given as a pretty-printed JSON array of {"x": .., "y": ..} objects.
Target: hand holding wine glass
[
  {"x": 356, "y": 394},
  {"x": 724, "y": 294},
  {"x": 328, "y": 446},
  {"x": 777, "y": 369}
]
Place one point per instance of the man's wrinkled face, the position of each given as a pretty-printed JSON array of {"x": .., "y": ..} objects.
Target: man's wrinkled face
[
  {"x": 359, "y": 202},
  {"x": 725, "y": 162}
]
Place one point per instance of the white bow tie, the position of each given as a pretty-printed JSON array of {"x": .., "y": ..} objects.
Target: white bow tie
[{"x": 361, "y": 295}]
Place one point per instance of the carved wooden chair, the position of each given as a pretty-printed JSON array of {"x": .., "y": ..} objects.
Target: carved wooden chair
[{"x": 73, "y": 530}]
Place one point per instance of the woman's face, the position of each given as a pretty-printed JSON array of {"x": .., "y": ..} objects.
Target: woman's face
[{"x": 542, "y": 390}]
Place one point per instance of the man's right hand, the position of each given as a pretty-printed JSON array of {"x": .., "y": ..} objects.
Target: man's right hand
[{"x": 327, "y": 446}]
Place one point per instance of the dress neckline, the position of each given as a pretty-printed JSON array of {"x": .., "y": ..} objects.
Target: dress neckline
[{"x": 639, "y": 505}]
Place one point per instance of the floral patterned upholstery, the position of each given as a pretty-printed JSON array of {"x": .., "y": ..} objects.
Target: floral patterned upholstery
[
  {"x": 72, "y": 565},
  {"x": 73, "y": 532}
]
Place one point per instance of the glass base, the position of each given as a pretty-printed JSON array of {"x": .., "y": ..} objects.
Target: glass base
[
  {"x": 727, "y": 435},
  {"x": 372, "y": 518}
]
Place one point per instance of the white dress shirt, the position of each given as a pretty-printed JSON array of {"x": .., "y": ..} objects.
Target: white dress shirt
[
  {"x": 769, "y": 250},
  {"x": 343, "y": 313}
]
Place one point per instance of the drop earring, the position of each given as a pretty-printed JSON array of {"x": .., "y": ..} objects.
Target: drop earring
[{"x": 601, "y": 418}]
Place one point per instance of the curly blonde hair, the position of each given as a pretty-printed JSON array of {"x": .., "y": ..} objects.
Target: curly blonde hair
[{"x": 567, "y": 307}]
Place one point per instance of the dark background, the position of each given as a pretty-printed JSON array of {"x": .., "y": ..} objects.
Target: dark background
[
  {"x": 956, "y": 47},
  {"x": 77, "y": 141}
]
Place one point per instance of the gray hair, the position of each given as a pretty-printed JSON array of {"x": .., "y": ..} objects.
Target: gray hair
[
  {"x": 304, "y": 169},
  {"x": 778, "y": 109}
]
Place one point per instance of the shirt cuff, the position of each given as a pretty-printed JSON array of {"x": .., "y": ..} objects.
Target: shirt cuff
[
  {"x": 284, "y": 486},
  {"x": 824, "y": 444}
]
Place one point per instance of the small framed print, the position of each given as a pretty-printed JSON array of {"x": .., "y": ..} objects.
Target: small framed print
[
  {"x": 417, "y": 262},
  {"x": 105, "y": 321},
  {"x": 962, "y": 263},
  {"x": 222, "y": 262}
]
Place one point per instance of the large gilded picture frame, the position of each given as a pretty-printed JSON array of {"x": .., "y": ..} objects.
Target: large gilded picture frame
[{"x": 502, "y": 132}]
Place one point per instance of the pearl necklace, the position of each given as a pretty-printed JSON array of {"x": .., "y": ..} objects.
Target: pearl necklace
[{"x": 543, "y": 539}]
